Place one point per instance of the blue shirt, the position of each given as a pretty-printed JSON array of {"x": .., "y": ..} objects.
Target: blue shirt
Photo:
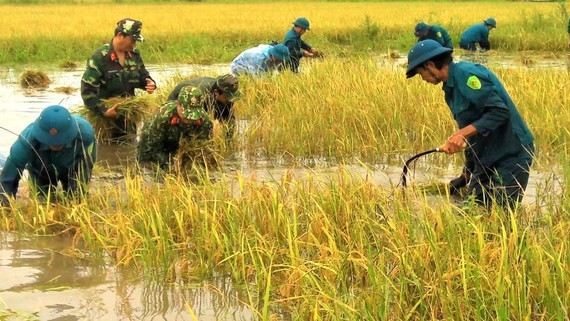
[
  {"x": 253, "y": 61},
  {"x": 28, "y": 153},
  {"x": 476, "y": 97}
]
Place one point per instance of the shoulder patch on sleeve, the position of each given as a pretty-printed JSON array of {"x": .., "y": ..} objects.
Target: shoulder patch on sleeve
[{"x": 474, "y": 83}]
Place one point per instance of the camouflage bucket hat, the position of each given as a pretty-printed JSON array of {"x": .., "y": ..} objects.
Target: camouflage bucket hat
[
  {"x": 228, "y": 84},
  {"x": 130, "y": 27},
  {"x": 190, "y": 97}
]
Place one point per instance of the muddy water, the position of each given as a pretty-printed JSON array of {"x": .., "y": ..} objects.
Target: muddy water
[{"x": 43, "y": 280}]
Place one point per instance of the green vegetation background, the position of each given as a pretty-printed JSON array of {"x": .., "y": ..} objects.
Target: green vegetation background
[{"x": 533, "y": 31}]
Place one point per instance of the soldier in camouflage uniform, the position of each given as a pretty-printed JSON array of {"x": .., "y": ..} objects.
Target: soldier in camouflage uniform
[
  {"x": 184, "y": 118},
  {"x": 115, "y": 70},
  {"x": 220, "y": 93}
]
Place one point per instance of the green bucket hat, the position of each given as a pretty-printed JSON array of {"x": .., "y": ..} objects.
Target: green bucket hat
[
  {"x": 280, "y": 52},
  {"x": 491, "y": 22},
  {"x": 130, "y": 27},
  {"x": 422, "y": 52},
  {"x": 55, "y": 126},
  {"x": 302, "y": 22}
]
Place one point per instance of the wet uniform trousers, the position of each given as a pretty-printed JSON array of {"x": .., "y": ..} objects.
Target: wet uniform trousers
[
  {"x": 499, "y": 156},
  {"x": 72, "y": 166},
  {"x": 105, "y": 78}
]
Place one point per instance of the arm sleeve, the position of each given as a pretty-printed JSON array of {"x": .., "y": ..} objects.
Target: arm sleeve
[
  {"x": 493, "y": 109},
  {"x": 90, "y": 84},
  {"x": 306, "y": 46},
  {"x": 21, "y": 154}
]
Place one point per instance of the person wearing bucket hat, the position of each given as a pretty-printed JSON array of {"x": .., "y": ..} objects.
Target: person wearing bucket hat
[
  {"x": 424, "y": 31},
  {"x": 184, "y": 118},
  {"x": 478, "y": 34},
  {"x": 297, "y": 47},
  {"x": 56, "y": 147},
  {"x": 499, "y": 144},
  {"x": 259, "y": 60},
  {"x": 116, "y": 69},
  {"x": 220, "y": 93}
]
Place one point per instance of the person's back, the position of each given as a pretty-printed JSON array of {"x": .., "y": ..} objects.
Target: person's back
[
  {"x": 478, "y": 34},
  {"x": 252, "y": 61}
]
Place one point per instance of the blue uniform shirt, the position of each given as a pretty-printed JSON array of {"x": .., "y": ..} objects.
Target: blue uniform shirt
[
  {"x": 476, "y": 96},
  {"x": 253, "y": 61},
  {"x": 28, "y": 153}
]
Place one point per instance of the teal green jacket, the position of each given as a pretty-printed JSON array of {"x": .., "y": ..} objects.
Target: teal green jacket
[
  {"x": 75, "y": 160},
  {"x": 476, "y": 97},
  {"x": 478, "y": 33},
  {"x": 104, "y": 77},
  {"x": 438, "y": 34},
  {"x": 294, "y": 42}
]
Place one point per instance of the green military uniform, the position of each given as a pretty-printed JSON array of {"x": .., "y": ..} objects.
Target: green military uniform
[
  {"x": 222, "y": 112},
  {"x": 438, "y": 34},
  {"x": 163, "y": 131},
  {"x": 294, "y": 43},
  {"x": 105, "y": 77},
  {"x": 500, "y": 155}
]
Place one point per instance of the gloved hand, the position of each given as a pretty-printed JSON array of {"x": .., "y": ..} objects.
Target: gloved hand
[{"x": 459, "y": 182}]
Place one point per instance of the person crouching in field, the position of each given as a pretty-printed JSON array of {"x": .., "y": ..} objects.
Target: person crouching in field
[
  {"x": 115, "y": 70},
  {"x": 478, "y": 34},
  {"x": 500, "y": 146},
  {"x": 297, "y": 47},
  {"x": 424, "y": 31},
  {"x": 260, "y": 60},
  {"x": 56, "y": 147},
  {"x": 220, "y": 93},
  {"x": 181, "y": 119}
]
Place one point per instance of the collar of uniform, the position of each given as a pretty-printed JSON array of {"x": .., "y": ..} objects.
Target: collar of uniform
[
  {"x": 450, "y": 81},
  {"x": 113, "y": 53},
  {"x": 44, "y": 147}
]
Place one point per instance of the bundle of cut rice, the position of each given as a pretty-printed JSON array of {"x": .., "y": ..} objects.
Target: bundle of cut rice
[
  {"x": 34, "y": 79},
  {"x": 135, "y": 109}
]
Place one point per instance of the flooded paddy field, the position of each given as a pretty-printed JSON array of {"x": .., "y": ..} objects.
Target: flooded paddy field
[{"x": 52, "y": 278}]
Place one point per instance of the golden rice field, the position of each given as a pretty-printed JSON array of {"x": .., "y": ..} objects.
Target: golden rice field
[
  {"x": 338, "y": 247},
  {"x": 213, "y": 32}
]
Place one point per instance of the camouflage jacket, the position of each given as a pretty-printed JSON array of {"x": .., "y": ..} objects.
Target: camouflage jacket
[
  {"x": 222, "y": 112},
  {"x": 104, "y": 77},
  {"x": 163, "y": 131}
]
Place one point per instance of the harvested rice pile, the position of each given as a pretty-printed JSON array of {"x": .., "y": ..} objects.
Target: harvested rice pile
[{"x": 34, "y": 79}]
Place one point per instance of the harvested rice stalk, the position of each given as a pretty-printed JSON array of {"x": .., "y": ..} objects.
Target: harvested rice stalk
[
  {"x": 136, "y": 109},
  {"x": 34, "y": 79}
]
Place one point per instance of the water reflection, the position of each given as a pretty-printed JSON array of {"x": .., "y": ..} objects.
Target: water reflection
[{"x": 48, "y": 278}]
